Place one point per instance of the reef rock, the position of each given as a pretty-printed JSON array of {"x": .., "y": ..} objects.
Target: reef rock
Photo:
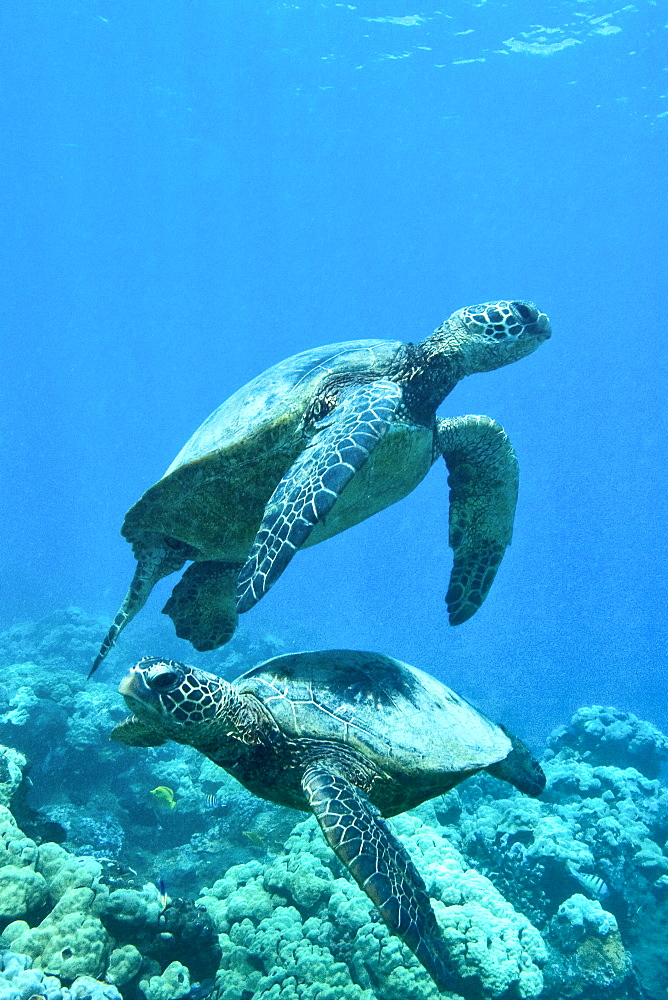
[
  {"x": 12, "y": 764},
  {"x": 600, "y": 735},
  {"x": 589, "y": 956},
  {"x": 299, "y": 919}
]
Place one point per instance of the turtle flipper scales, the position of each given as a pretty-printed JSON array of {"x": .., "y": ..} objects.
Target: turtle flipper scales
[
  {"x": 203, "y": 604},
  {"x": 313, "y": 484},
  {"x": 379, "y": 863},
  {"x": 483, "y": 479}
]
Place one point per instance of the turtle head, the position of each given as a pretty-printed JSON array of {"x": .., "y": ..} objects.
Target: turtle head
[
  {"x": 491, "y": 335},
  {"x": 170, "y": 701}
]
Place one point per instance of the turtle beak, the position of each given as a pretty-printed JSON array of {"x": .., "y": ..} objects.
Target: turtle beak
[
  {"x": 542, "y": 328},
  {"x": 135, "y": 690},
  {"x": 536, "y": 323}
]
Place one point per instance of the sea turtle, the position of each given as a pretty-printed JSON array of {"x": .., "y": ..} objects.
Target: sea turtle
[
  {"x": 351, "y": 736},
  {"x": 316, "y": 444}
]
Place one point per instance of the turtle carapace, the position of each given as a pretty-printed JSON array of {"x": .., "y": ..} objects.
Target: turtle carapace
[
  {"x": 351, "y": 736},
  {"x": 317, "y": 444}
]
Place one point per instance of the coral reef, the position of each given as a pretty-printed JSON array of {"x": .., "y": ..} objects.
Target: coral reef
[
  {"x": 12, "y": 764},
  {"x": 587, "y": 950},
  {"x": 562, "y": 897},
  {"x": 290, "y": 919},
  {"x": 598, "y": 830},
  {"x": 73, "y": 920},
  {"x": 63, "y": 639},
  {"x": 600, "y": 735},
  {"x": 172, "y": 984},
  {"x": 89, "y": 794},
  {"x": 69, "y": 639},
  {"x": 18, "y": 981}
]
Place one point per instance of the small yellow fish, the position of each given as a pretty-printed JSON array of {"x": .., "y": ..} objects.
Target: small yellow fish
[
  {"x": 254, "y": 838},
  {"x": 163, "y": 798}
]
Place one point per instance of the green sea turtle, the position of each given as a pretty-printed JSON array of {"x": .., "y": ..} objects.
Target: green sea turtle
[
  {"x": 350, "y": 736},
  {"x": 316, "y": 444}
]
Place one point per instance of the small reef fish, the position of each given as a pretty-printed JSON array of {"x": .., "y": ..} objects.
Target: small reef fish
[
  {"x": 254, "y": 838},
  {"x": 164, "y": 898},
  {"x": 163, "y": 798},
  {"x": 595, "y": 885},
  {"x": 200, "y": 991},
  {"x": 211, "y": 801}
]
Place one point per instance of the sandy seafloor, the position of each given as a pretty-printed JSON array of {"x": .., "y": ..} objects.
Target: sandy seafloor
[{"x": 153, "y": 875}]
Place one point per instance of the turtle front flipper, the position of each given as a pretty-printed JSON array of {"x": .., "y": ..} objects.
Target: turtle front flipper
[
  {"x": 483, "y": 481},
  {"x": 310, "y": 488},
  {"x": 155, "y": 559},
  {"x": 203, "y": 604},
  {"x": 379, "y": 863}
]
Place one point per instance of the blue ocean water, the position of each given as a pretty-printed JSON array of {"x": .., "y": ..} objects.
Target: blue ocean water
[{"x": 193, "y": 191}]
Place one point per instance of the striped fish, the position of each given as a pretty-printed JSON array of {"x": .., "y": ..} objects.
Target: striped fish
[
  {"x": 211, "y": 801},
  {"x": 592, "y": 883},
  {"x": 164, "y": 898}
]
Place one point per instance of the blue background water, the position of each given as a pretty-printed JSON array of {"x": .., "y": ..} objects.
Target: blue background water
[{"x": 192, "y": 191}]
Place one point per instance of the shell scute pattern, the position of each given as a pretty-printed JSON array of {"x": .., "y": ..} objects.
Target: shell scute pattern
[
  {"x": 378, "y": 706},
  {"x": 302, "y": 713},
  {"x": 289, "y": 385}
]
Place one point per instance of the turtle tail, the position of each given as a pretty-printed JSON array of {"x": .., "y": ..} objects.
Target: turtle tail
[{"x": 154, "y": 561}]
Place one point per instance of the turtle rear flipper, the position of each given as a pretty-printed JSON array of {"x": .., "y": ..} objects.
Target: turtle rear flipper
[
  {"x": 519, "y": 768},
  {"x": 380, "y": 865},
  {"x": 203, "y": 604},
  {"x": 313, "y": 484},
  {"x": 156, "y": 558},
  {"x": 483, "y": 480}
]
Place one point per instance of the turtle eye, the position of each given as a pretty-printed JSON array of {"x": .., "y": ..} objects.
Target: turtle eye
[
  {"x": 165, "y": 680},
  {"x": 527, "y": 311}
]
